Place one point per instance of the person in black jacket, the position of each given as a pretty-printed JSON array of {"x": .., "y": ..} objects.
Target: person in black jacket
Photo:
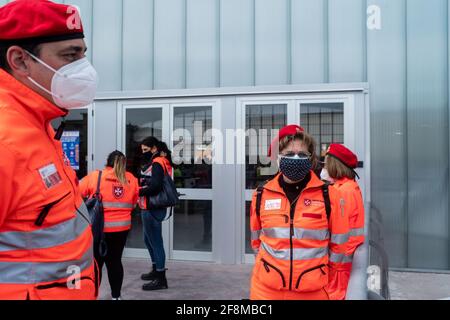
[{"x": 155, "y": 165}]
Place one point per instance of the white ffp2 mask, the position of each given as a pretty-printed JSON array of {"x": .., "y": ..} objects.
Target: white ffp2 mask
[
  {"x": 73, "y": 86},
  {"x": 325, "y": 176}
]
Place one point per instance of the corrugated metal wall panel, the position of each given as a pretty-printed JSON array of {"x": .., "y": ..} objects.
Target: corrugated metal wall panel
[
  {"x": 170, "y": 44},
  {"x": 138, "y": 45},
  {"x": 202, "y": 44},
  {"x": 107, "y": 43},
  {"x": 271, "y": 42},
  {"x": 237, "y": 61},
  {"x": 386, "y": 50},
  {"x": 309, "y": 41},
  {"x": 427, "y": 118},
  {"x": 346, "y": 40}
]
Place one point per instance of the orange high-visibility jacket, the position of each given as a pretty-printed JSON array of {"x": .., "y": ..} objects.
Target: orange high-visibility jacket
[
  {"x": 167, "y": 168},
  {"x": 45, "y": 233},
  {"x": 352, "y": 195},
  {"x": 299, "y": 249},
  {"x": 118, "y": 200},
  {"x": 354, "y": 203}
]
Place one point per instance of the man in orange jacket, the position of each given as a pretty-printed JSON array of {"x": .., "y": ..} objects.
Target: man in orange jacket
[{"x": 45, "y": 234}]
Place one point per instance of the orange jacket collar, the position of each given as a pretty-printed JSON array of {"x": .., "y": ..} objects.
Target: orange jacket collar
[
  {"x": 30, "y": 102},
  {"x": 342, "y": 181},
  {"x": 274, "y": 185}
]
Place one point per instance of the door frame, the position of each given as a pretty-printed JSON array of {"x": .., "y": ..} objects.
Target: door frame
[
  {"x": 195, "y": 194},
  {"x": 294, "y": 102},
  {"x": 168, "y": 106},
  {"x": 122, "y": 108}
]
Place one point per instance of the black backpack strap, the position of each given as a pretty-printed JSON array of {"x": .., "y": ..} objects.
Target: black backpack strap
[
  {"x": 326, "y": 198},
  {"x": 98, "y": 182},
  {"x": 259, "y": 193}
]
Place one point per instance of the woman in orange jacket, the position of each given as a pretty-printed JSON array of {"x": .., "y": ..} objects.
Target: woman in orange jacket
[
  {"x": 157, "y": 163},
  {"x": 299, "y": 227},
  {"x": 340, "y": 165},
  {"x": 119, "y": 190}
]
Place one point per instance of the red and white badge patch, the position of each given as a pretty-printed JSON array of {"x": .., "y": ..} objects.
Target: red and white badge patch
[
  {"x": 50, "y": 176},
  {"x": 118, "y": 192},
  {"x": 315, "y": 203}
]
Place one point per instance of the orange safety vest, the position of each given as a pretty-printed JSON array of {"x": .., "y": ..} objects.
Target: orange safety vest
[
  {"x": 45, "y": 234},
  {"x": 118, "y": 200},
  {"x": 300, "y": 251},
  {"x": 165, "y": 164},
  {"x": 354, "y": 203}
]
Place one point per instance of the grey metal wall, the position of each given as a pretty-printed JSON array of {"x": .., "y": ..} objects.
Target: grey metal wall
[{"x": 162, "y": 44}]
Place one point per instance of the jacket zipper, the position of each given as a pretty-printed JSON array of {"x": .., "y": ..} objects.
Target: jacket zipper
[
  {"x": 267, "y": 265},
  {"x": 291, "y": 241},
  {"x": 46, "y": 210},
  {"x": 307, "y": 271}
]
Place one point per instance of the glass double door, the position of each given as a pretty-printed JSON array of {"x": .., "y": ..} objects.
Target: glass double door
[
  {"x": 329, "y": 119},
  {"x": 186, "y": 129}
]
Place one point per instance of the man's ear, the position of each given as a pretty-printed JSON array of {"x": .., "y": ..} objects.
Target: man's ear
[{"x": 18, "y": 61}]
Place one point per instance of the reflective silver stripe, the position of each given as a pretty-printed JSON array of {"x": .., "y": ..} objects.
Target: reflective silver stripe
[
  {"x": 256, "y": 234},
  {"x": 41, "y": 272},
  {"x": 340, "y": 238},
  {"x": 277, "y": 233},
  {"x": 340, "y": 258},
  {"x": 84, "y": 212},
  {"x": 285, "y": 233},
  {"x": 357, "y": 232},
  {"x": 44, "y": 238},
  {"x": 119, "y": 205},
  {"x": 117, "y": 224},
  {"x": 298, "y": 253}
]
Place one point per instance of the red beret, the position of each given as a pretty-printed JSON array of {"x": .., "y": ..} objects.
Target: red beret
[
  {"x": 39, "y": 21},
  {"x": 344, "y": 155},
  {"x": 290, "y": 130}
]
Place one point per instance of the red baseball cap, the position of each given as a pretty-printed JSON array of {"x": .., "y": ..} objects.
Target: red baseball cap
[
  {"x": 289, "y": 130},
  {"x": 344, "y": 155},
  {"x": 39, "y": 21}
]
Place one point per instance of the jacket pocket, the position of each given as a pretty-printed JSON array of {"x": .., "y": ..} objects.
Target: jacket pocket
[
  {"x": 46, "y": 210},
  {"x": 312, "y": 279},
  {"x": 83, "y": 289},
  {"x": 271, "y": 276}
]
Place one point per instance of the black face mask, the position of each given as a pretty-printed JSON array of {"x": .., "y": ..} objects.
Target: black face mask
[
  {"x": 148, "y": 156},
  {"x": 295, "y": 168}
]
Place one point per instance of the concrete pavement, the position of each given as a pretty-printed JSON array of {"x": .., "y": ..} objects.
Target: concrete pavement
[{"x": 209, "y": 281}]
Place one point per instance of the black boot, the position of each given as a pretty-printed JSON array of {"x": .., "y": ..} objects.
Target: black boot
[
  {"x": 160, "y": 282},
  {"x": 149, "y": 276}
]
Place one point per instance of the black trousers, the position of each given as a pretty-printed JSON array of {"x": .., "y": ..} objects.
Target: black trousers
[{"x": 115, "y": 242}]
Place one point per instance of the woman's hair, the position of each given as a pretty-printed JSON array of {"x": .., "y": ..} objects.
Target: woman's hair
[
  {"x": 162, "y": 147},
  {"x": 337, "y": 170},
  {"x": 118, "y": 161},
  {"x": 150, "y": 142},
  {"x": 307, "y": 139}
]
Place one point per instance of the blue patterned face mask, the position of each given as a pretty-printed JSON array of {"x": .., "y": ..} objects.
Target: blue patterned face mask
[{"x": 295, "y": 168}]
